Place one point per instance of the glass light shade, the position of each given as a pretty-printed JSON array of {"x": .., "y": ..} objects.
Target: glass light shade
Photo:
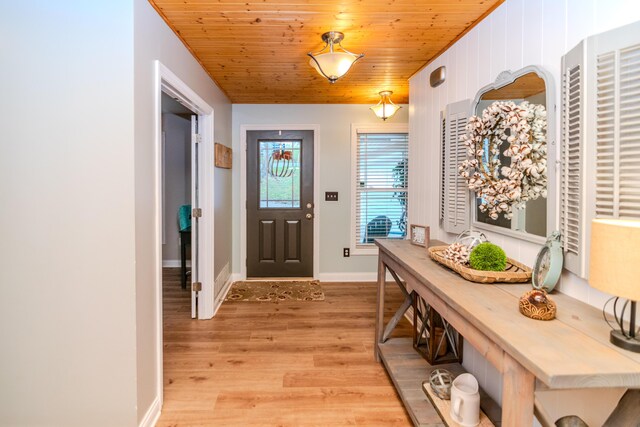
[
  {"x": 385, "y": 108},
  {"x": 333, "y": 64}
]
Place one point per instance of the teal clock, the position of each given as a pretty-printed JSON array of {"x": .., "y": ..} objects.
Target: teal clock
[{"x": 548, "y": 267}]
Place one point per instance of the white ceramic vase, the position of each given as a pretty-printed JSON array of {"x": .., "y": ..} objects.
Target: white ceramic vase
[{"x": 465, "y": 401}]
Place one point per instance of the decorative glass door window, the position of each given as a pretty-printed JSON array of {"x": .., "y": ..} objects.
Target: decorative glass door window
[{"x": 279, "y": 174}]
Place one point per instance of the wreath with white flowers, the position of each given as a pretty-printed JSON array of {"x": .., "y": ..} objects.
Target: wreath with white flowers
[{"x": 501, "y": 188}]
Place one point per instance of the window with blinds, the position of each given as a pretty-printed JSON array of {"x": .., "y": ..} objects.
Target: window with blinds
[{"x": 381, "y": 183}]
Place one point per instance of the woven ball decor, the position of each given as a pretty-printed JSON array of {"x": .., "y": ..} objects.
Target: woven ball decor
[{"x": 440, "y": 380}]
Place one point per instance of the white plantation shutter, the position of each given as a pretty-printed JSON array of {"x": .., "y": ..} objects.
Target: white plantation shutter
[
  {"x": 456, "y": 190},
  {"x": 381, "y": 186},
  {"x": 600, "y": 175},
  {"x": 572, "y": 159},
  {"x": 628, "y": 189},
  {"x": 443, "y": 165},
  {"x": 617, "y": 123}
]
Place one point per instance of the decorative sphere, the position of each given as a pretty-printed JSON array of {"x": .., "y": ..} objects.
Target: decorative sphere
[
  {"x": 488, "y": 257},
  {"x": 440, "y": 380}
]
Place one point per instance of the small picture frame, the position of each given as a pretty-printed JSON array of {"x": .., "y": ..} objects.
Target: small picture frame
[{"x": 419, "y": 235}]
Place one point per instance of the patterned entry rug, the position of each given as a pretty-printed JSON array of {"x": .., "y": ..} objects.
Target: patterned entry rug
[{"x": 276, "y": 291}]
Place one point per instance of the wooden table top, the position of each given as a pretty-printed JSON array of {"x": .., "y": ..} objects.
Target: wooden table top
[{"x": 571, "y": 351}]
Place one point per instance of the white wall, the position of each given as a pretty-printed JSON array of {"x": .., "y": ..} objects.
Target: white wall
[
  {"x": 517, "y": 34},
  {"x": 335, "y": 175},
  {"x": 153, "y": 39},
  {"x": 67, "y": 281}
]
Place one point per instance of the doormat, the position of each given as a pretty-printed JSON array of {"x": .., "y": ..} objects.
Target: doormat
[{"x": 276, "y": 291}]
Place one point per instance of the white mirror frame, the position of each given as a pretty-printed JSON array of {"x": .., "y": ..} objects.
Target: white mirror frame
[{"x": 505, "y": 78}]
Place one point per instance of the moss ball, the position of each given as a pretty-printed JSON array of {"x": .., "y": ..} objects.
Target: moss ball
[{"x": 488, "y": 257}]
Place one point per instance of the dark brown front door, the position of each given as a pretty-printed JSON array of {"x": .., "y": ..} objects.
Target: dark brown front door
[{"x": 280, "y": 203}]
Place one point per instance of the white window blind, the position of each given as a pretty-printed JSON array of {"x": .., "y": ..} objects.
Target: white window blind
[
  {"x": 381, "y": 184},
  {"x": 456, "y": 190},
  {"x": 601, "y": 135}
]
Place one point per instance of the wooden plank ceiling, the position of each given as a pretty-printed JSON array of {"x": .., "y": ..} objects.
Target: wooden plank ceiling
[{"x": 256, "y": 50}]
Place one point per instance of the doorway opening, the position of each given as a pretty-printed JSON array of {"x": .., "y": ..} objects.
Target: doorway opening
[
  {"x": 279, "y": 188},
  {"x": 176, "y": 188},
  {"x": 184, "y": 203}
]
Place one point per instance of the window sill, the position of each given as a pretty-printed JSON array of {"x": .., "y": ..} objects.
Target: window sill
[{"x": 373, "y": 251}]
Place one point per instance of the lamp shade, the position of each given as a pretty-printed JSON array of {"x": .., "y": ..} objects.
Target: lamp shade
[
  {"x": 614, "y": 262},
  {"x": 385, "y": 108},
  {"x": 333, "y": 64}
]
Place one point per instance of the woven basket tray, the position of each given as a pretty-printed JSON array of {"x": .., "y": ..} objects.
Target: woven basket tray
[{"x": 514, "y": 272}]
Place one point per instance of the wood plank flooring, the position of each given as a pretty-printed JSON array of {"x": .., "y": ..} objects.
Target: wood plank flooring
[{"x": 285, "y": 364}]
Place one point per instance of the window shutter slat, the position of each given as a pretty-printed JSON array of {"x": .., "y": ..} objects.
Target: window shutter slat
[
  {"x": 606, "y": 153},
  {"x": 455, "y": 197}
]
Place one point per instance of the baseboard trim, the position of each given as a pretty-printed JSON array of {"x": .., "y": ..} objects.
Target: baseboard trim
[
  {"x": 153, "y": 414},
  {"x": 174, "y": 263}
]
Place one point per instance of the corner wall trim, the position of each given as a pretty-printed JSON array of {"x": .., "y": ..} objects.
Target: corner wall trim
[
  {"x": 153, "y": 414},
  {"x": 224, "y": 291}
]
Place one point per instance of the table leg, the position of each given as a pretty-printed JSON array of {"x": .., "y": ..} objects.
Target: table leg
[
  {"x": 518, "y": 386},
  {"x": 382, "y": 275}
]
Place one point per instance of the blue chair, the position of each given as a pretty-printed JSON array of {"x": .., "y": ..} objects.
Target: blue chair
[{"x": 184, "y": 227}]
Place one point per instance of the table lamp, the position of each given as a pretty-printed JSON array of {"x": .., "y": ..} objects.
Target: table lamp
[{"x": 614, "y": 268}]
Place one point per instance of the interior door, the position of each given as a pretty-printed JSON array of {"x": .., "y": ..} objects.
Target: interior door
[
  {"x": 280, "y": 211},
  {"x": 196, "y": 213}
]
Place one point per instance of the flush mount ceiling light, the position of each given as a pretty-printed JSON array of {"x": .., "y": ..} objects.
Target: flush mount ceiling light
[
  {"x": 333, "y": 64},
  {"x": 385, "y": 108}
]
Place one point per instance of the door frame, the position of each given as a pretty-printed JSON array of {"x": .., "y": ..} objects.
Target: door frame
[
  {"x": 243, "y": 191},
  {"x": 166, "y": 81}
]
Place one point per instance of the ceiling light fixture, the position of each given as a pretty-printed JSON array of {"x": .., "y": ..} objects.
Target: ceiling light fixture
[
  {"x": 385, "y": 108},
  {"x": 333, "y": 65}
]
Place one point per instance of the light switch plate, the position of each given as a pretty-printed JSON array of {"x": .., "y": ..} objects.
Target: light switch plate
[{"x": 331, "y": 196}]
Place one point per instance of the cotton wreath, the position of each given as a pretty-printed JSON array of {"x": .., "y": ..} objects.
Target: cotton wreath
[{"x": 500, "y": 188}]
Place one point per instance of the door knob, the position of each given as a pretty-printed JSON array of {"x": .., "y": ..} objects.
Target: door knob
[{"x": 309, "y": 216}]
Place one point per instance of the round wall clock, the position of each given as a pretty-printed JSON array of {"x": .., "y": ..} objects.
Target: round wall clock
[{"x": 548, "y": 267}]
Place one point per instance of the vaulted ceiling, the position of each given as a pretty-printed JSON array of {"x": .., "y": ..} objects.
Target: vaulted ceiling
[{"x": 256, "y": 50}]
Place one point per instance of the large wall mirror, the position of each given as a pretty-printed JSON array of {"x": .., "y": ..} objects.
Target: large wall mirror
[{"x": 529, "y": 89}]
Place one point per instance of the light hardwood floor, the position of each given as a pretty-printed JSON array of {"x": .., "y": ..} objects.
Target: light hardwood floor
[{"x": 285, "y": 364}]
